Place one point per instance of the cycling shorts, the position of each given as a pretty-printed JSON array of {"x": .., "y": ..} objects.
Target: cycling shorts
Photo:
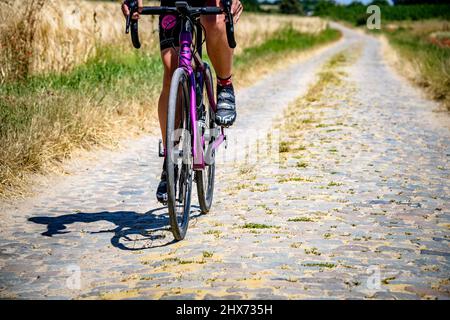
[{"x": 169, "y": 24}]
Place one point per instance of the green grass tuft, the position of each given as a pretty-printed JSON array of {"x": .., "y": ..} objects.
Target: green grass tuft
[
  {"x": 207, "y": 254},
  {"x": 320, "y": 264},
  {"x": 257, "y": 226},
  {"x": 286, "y": 40},
  {"x": 301, "y": 219}
]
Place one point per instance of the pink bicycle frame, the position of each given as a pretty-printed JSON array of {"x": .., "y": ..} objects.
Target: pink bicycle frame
[{"x": 185, "y": 61}]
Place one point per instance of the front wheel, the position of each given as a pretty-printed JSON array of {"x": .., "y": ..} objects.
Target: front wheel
[
  {"x": 205, "y": 177},
  {"x": 179, "y": 163}
]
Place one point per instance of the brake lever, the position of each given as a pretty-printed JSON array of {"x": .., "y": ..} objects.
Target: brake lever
[
  {"x": 229, "y": 23},
  {"x": 128, "y": 23},
  {"x": 230, "y": 18},
  {"x": 227, "y": 7},
  {"x": 132, "y": 7}
]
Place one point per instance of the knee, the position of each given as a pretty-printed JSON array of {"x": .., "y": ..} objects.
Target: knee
[
  {"x": 167, "y": 77},
  {"x": 170, "y": 64}
]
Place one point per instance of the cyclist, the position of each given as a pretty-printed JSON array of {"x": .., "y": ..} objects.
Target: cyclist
[{"x": 220, "y": 54}]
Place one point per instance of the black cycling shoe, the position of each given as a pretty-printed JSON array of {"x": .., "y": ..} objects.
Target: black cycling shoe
[
  {"x": 161, "y": 192},
  {"x": 226, "y": 106}
]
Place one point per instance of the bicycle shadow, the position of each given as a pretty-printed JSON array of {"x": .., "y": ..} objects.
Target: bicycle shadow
[{"x": 133, "y": 231}]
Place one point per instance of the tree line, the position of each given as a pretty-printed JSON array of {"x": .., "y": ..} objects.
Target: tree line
[{"x": 356, "y": 11}]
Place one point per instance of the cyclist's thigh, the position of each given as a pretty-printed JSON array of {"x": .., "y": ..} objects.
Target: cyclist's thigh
[
  {"x": 209, "y": 22},
  {"x": 169, "y": 58}
]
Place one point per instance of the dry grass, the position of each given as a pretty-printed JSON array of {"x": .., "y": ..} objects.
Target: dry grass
[
  {"x": 409, "y": 48},
  {"x": 406, "y": 68},
  {"x": 420, "y": 28},
  {"x": 44, "y": 119},
  {"x": 253, "y": 29},
  {"x": 300, "y": 48},
  {"x": 67, "y": 33},
  {"x": 16, "y": 37}
]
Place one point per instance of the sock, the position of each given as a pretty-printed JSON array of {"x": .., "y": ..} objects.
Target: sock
[{"x": 224, "y": 82}]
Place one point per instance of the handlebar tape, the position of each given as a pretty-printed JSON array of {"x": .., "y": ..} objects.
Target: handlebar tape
[
  {"x": 135, "y": 34},
  {"x": 229, "y": 23},
  {"x": 230, "y": 34}
]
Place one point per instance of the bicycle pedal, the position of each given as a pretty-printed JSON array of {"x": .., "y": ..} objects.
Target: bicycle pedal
[{"x": 161, "y": 149}]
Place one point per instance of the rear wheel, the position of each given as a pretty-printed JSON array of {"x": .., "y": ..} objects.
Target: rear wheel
[
  {"x": 205, "y": 177},
  {"x": 179, "y": 164}
]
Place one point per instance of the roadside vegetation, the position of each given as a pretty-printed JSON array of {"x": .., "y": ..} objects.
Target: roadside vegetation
[
  {"x": 355, "y": 12},
  {"x": 418, "y": 31},
  {"x": 284, "y": 41},
  {"x": 424, "y": 55},
  {"x": 45, "y": 116},
  {"x": 286, "y": 44}
]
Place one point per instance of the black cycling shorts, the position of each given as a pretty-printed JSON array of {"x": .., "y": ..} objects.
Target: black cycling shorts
[{"x": 169, "y": 24}]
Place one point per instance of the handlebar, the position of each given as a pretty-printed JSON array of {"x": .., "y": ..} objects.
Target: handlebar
[
  {"x": 229, "y": 23},
  {"x": 181, "y": 8}
]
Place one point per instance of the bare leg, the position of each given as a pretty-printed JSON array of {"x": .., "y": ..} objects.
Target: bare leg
[
  {"x": 170, "y": 60},
  {"x": 219, "y": 52}
]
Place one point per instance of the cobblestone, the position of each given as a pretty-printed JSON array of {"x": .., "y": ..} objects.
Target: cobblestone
[{"x": 359, "y": 209}]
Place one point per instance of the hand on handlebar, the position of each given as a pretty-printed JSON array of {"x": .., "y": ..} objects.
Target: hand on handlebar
[
  {"x": 126, "y": 9},
  {"x": 236, "y": 9},
  {"x": 132, "y": 9}
]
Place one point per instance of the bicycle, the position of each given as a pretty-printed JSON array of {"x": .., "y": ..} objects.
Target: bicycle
[{"x": 192, "y": 137}]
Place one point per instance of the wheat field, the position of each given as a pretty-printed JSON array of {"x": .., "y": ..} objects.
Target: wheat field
[{"x": 67, "y": 33}]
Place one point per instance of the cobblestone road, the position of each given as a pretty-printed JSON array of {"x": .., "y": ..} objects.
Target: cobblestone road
[{"x": 356, "y": 206}]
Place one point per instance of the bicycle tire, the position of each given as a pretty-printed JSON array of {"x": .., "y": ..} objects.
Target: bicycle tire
[
  {"x": 205, "y": 177},
  {"x": 179, "y": 173}
]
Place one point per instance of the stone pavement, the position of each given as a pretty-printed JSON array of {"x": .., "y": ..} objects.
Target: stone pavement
[{"x": 355, "y": 204}]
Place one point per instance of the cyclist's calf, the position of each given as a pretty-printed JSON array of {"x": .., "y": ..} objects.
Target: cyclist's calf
[{"x": 170, "y": 61}]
